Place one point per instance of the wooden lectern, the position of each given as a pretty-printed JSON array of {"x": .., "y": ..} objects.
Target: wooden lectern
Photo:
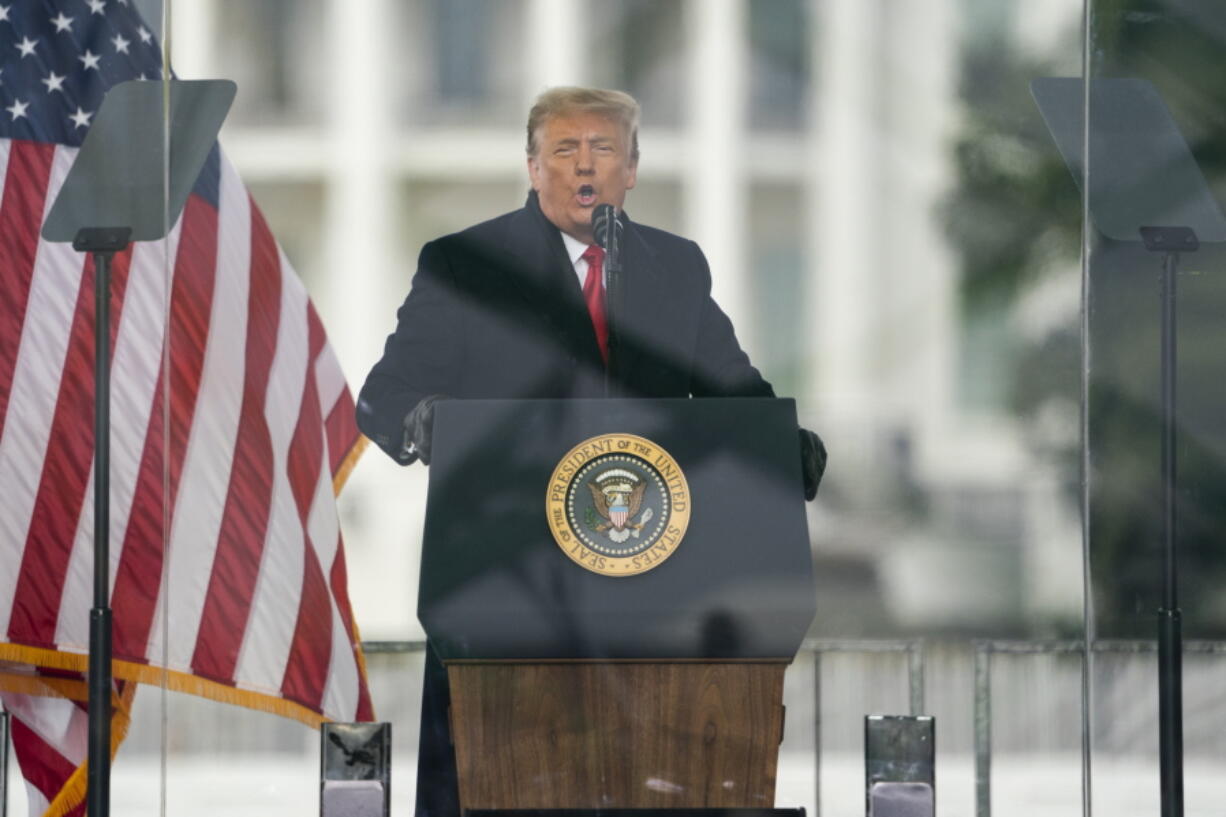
[{"x": 657, "y": 689}]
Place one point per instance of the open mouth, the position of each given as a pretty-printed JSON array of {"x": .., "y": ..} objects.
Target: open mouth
[{"x": 586, "y": 195}]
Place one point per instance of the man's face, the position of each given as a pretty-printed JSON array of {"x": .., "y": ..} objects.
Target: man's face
[{"x": 581, "y": 160}]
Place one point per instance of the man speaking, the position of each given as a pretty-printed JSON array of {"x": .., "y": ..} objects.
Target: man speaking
[{"x": 519, "y": 307}]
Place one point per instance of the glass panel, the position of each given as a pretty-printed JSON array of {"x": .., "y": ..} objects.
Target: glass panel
[
  {"x": 892, "y": 232},
  {"x": 944, "y": 365},
  {"x": 1155, "y": 160},
  {"x": 257, "y": 627}
]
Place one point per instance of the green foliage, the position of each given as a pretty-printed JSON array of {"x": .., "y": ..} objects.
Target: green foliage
[{"x": 1015, "y": 210}]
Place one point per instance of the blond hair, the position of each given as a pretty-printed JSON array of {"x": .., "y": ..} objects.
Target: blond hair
[{"x": 616, "y": 105}]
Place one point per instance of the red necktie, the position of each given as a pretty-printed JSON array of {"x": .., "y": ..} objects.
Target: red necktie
[{"x": 593, "y": 294}]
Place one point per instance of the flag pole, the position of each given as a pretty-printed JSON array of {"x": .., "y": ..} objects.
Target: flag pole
[{"x": 103, "y": 243}]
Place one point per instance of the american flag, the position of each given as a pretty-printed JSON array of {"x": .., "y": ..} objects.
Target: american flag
[{"x": 227, "y": 567}]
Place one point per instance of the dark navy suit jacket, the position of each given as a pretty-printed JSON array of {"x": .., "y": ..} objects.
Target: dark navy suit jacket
[{"x": 496, "y": 311}]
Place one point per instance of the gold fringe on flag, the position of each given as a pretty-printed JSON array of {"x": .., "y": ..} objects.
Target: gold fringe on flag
[
  {"x": 347, "y": 464},
  {"x": 74, "y": 790},
  {"x": 175, "y": 680}
]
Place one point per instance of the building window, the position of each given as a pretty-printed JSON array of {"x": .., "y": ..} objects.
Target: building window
[
  {"x": 458, "y": 62},
  {"x": 779, "y": 64},
  {"x": 277, "y": 53},
  {"x": 638, "y": 46}
]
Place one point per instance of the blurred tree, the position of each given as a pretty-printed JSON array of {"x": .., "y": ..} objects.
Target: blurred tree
[{"x": 1016, "y": 209}]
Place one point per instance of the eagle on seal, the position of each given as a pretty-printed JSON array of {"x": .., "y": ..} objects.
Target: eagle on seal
[{"x": 618, "y": 506}]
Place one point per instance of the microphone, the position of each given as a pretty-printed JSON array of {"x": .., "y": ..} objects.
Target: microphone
[{"x": 607, "y": 229}]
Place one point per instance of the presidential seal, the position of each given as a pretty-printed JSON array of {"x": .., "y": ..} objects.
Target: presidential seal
[{"x": 618, "y": 504}]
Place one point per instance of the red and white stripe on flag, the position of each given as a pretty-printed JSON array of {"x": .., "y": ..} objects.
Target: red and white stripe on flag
[{"x": 227, "y": 567}]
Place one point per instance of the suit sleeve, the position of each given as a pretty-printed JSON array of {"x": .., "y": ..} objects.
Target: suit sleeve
[
  {"x": 721, "y": 368},
  {"x": 422, "y": 357}
]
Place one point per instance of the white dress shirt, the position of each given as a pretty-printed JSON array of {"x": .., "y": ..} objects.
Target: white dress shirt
[{"x": 575, "y": 249}]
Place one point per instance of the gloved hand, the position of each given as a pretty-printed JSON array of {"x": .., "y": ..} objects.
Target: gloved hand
[
  {"x": 418, "y": 431},
  {"x": 812, "y": 461}
]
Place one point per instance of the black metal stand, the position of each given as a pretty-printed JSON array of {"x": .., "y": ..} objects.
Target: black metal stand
[
  {"x": 1170, "y": 241},
  {"x": 607, "y": 228},
  {"x": 103, "y": 243}
]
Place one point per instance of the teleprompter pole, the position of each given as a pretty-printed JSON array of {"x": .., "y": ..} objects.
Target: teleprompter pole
[
  {"x": 1170, "y": 241},
  {"x": 1170, "y": 635},
  {"x": 103, "y": 243}
]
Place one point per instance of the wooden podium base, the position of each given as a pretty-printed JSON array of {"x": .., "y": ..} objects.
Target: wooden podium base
[{"x": 616, "y": 735}]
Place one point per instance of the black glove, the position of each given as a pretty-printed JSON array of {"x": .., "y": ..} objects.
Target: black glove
[
  {"x": 812, "y": 461},
  {"x": 418, "y": 431}
]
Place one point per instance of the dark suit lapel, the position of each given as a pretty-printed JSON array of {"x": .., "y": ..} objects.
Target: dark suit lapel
[{"x": 544, "y": 278}]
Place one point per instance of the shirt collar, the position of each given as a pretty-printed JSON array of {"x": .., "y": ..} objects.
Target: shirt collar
[{"x": 574, "y": 247}]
